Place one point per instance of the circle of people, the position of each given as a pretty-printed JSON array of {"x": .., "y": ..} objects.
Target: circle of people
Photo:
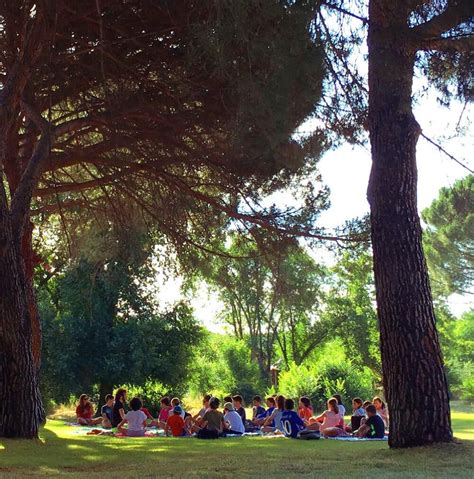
[{"x": 369, "y": 419}]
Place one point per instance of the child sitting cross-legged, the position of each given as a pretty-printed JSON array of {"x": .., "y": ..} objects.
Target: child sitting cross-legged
[
  {"x": 135, "y": 420},
  {"x": 329, "y": 423},
  {"x": 258, "y": 409},
  {"x": 233, "y": 421},
  {"x": 260, "y": 418},
  {"x": 107, "y": 411},
  {"x": 175, "y": 423},
  {"x": 212, "y": 421},
  {"x": 374, "y": 427},
  {"x": 291, "y": 422}
]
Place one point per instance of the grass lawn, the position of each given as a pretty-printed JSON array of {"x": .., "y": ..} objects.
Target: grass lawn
[{"x": 59, "y": 453}]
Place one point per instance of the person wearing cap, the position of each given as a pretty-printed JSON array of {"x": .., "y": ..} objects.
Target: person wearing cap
[
  {"x": 233, "y": 421},
  {"x": 175, "y": 423}
]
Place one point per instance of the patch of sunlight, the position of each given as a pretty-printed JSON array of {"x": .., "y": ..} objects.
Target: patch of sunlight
[
  {"x": 2, "y": 447},
  {"x": 77, "y": 446},
  {"x": 90, "y": 457},
  {"x": 48, "y": 470}
]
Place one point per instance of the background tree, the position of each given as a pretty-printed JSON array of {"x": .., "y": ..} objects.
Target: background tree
[
  {"x": 272, "y": 295},
  {"x": 449, "y": 238}
]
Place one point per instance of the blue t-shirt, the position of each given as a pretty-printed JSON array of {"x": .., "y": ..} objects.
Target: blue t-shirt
[
  {"x": 292, "y": 423},
  {"x": 259, "y": 411},
  {"x": 266, "y": 413}
]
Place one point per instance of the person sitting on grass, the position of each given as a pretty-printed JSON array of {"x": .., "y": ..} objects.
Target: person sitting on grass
[
  {"x": 358, "y": 413},
  {"x": 257, "y": 409},
  {"x": 135, "y": 420},
  {"x": 342, "y": 408},
  {"x": 175, "y": 423},
  {"x": 329, "y": 423},
  {"x": 84, "y": 412},
  {"x": 291, "y": 422},
  {"x": 381, "y": 409},
  {"x": 273, "y": 422},
  {"x": 177, "y": 402},
  {"x": 261, "y": 418},
  {"x": 107, "y": 411},
  {"x": 374, "y": 427},
  {"x": 147, "y": 413},
  {"x": 205, "y": 406},
  {"x": 212, "y": 422},
  {"x": 118, "y": 411},
  {"x": 165, "y": 408},
  {"x": 237, "y": 402},
  {"x": 305, "y": 410},
  {"x": 233, "y": 421}
]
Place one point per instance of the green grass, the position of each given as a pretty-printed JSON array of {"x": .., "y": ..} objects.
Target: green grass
[{"x": 59, "y": 453}]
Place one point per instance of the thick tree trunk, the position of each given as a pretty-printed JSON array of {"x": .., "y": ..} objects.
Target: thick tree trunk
[
  {"x": 413, "y": 375},
  {"x": 21, "y": 410}
]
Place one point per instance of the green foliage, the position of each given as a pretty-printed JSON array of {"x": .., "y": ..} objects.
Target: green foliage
[
  {"x": 151, "y": 392},
  {"x": 222, "y": 367},
  {"x": 101, "y": 329},
  {"x": 449, "y": 238},
  {"x": 330, "y": 372},
  {"x": 351, "y": 305}
]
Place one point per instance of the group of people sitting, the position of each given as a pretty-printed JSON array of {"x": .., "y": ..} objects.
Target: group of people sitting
[{"x": 369, "y": 419}]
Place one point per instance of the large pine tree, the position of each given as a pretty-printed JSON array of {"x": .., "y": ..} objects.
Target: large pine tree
[{"x": 180, "y": 108}]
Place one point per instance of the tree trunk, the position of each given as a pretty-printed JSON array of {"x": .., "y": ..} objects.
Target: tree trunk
[
  {"x": 413, "y": 374},
  {"x": 21, "y": 411}
]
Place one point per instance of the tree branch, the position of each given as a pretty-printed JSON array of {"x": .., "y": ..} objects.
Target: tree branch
[{"x": 457, "y": 12}]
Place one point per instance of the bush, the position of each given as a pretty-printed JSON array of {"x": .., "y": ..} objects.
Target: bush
[
  {"x": 223, "y": 367},
  {"x": 330, "y": 374},
  {"x": 151, "y": 393}
]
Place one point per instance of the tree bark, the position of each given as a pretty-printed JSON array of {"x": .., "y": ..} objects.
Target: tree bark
[
  {"x": 413, "y": 374},
  {"x": 21, "y": 411}
]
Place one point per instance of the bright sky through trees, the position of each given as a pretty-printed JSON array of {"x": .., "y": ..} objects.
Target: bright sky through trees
[{"x": 346, "y": 171}]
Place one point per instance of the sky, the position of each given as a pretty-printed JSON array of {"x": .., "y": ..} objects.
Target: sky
[{"x": 346, "y": 171}]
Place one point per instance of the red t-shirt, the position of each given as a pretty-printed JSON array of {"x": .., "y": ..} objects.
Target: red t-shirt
[
  {"x": 176, "y": 423},
  {"x": 85, "y": 413},
  {"x": 147, "y": 412}
]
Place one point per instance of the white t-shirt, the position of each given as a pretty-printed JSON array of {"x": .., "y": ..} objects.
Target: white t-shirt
[
  {"x": 235, "y": 421},
  {"x": 135, "y": 420},
  {"x": 342, "y": 410}
]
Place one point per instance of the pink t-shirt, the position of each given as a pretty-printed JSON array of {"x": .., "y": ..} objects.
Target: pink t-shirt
[
  {"x": 331, "y": 419},
  {"x": 164, "y": 413}
]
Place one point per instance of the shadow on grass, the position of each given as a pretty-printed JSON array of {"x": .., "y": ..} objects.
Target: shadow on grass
[{"x": 61, "y": 452}]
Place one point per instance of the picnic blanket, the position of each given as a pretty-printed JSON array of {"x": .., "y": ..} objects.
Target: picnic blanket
[{"x": 355, "y": 439}]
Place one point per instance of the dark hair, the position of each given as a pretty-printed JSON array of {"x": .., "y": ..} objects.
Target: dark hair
[
  {"x": 376, "y": 398},
  {"x": 136, "y": 404},
  {"x": 175, "y": 402},
  {"x": 120, "y": 394},
  {"x": 289, "y": 404},
  {"x": 207, "y": 398},
  {"x": 280, "y": 402},
  {"x": 228, "y": 399},
  {"x": 372, "y": 409},
  {"x": 271, "y": 399},
  {"x": 338, "y": 397},
  {"x": 357, "y": 401},
  {"x": 108, "y": 397},
  {"x": 306, "y": 401},
  {"x": 238, "y": 398},
  {"x": 332, "y": 403},
  {"x": 214, "y": 403},
  {"x": 366, "y": 403},
  {"x": 165, "y": 400},
  {"x": 257, "y": 398}
]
